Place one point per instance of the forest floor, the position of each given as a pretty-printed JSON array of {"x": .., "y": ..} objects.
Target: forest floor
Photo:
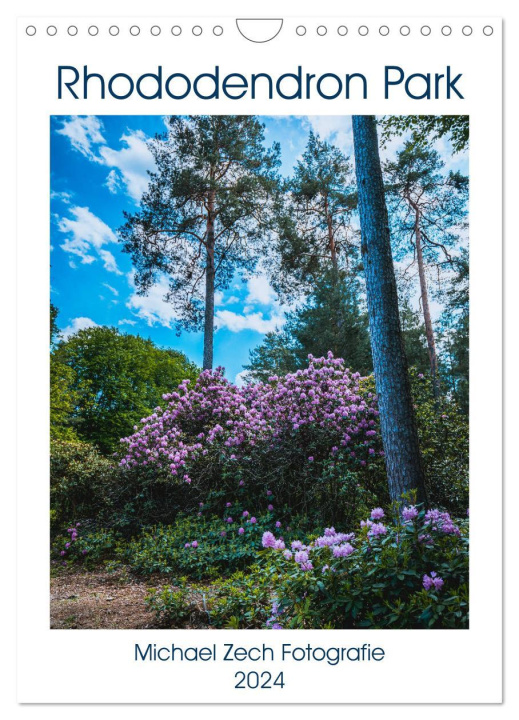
[{"x": 102, "y": 600}]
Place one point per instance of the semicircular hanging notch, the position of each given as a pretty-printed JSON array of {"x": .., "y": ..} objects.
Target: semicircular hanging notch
[{"x": 259, "y": 30}]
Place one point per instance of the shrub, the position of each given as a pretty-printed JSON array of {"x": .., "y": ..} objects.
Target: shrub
[
  {"x": 202, "y": 547},
  {"x": 244, "y": 600},
  {"x": 444, "y": 444},
  {"x": 80, "y": 482},
  {"x": 171, "y": 606},
  {"x": 93, "y": 489},
  {"x": 410, "y": 572},
  {"x": 88, "y": 547},
  {"x": 299, "y": 434}
]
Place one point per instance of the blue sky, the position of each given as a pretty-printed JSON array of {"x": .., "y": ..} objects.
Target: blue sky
[{"x": 99, "y": 169}]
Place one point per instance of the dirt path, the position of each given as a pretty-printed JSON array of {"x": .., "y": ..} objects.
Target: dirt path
[
  {"x": 100, "y": 599},
  {"x": 108, "y": 600}
]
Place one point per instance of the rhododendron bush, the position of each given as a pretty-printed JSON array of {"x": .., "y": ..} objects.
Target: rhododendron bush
[
  {"x": 405, "y": 569},
  {"x": 287, "y": 432}
]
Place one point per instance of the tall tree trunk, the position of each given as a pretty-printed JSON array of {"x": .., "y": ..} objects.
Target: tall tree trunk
[
  {"x": 431, "y": 345},
  {"x": 397, "y": 420},
  {"x": 332, "y": 247},
  {"x": 209, "y": 285},
  {"x": 331, "y": 240}
]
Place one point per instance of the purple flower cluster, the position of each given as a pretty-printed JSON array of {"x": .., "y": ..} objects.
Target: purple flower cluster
[
  {"x": 409, "y": 513},
  {"x": 339, "y": 543},
  {"x": 377, "y": 529},
  {"x": 74, "y": 534},
  {"x": 343, "y": 550},
  {"x": 273, "y": 621},
  {"x": 269, "y": 540},
  {"x": 432, "y": 581},
  {"x": 215, "y": 413},
  {"x": 441, "y": 522}
]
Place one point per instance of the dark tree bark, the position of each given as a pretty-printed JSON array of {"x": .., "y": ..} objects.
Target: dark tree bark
[
  {"x": 209, "y": 285},
  {"x": 331, "y": 240},
  {"x": 424, "y": 295},
  {"x": 398, "y": 424}
]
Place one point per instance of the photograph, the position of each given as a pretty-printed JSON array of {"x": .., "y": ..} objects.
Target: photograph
[{"x": 259, "y": 372}]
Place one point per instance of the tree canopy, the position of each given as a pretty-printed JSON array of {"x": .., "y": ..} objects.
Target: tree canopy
[
  {"x": 205, "y": 213},
  {"x": 427, "y": 128},
  {"x": 315, "y": 232},
  {"x": 114, "y": 380},
  {"x": 428, "y": 208}
]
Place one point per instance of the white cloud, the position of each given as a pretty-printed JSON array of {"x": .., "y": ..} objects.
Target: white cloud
[
  {"x": 77, "y": 324},
  {"x": 84, "y": 134},
  {"x": 63, "y": 196},
  {"x": 127, "y": 321},
  {"x": 129, "y": 164},
  {"x": 242, "y": 378},
  {"x": 253, "y": 321},
  {"x": 336, "y": 129},
  {"x": 220, "y": 299},
  {"x": 86, "y": 233},
  {"x": 260, "y": 291},
  {"x": 109, "y": 262},
  {"x": 112, "y": 182},
  {"x": 151, "y": 307},
  {"x": 112, "y": 289}
]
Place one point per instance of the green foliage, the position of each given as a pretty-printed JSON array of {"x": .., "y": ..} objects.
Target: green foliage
[
  {"x": 415, "y": 340},
  {"x": 88, "y": 548},
  {"x": 243, "y": 601},
  {"x": 454, "y": 333},
  {"x": 427, "y": 128},
  {"x": 212, "y": 171},
  {"x": 331, "y": 318},
  {"x": 62, "y": 388},
  {"x": 315, "y": 234},
  {"x": 63, "y": 399},
  {"x": 93, "y": 489},
  {"x": 380, "y": 585},
  {"x": 162, "y": 549},
  {"x": 171, "y": 606},
  {"x": 416, "y": 183},
  {"x": 54, "y": 329},
  {"x": 112, "y": 381},
  {"x": 81, "y": 480},
  {"x": 444, "y": 445},
  {"x": 275, "y": 356}
]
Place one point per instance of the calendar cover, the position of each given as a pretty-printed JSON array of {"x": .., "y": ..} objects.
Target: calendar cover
[{"x": 264, "y": 368}]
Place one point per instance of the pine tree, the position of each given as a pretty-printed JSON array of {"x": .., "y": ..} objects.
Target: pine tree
[
  {"x": 204, "y": 213},
  {"x": 428, "y": 209},
  {"x": 315, "y": 233},
  {"x": 330, "y": 319},
  {"x": 397, "y": 420},
  {"x": 454, "y": 326},
  {"x": 415, "y": 339},
  {"x": 275, "y": 356}
]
